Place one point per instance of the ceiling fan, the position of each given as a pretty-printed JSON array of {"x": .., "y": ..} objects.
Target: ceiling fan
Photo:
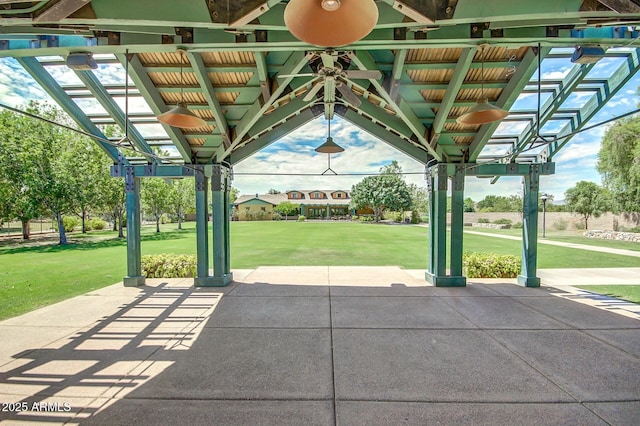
[{"x": 331, "y": 75}]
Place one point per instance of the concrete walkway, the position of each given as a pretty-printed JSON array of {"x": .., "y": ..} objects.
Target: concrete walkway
[
  {"x": 321, "y": 346},
  {"x": 562, "y": 244}
]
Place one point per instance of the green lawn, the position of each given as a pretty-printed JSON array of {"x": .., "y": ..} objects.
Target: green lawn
[
  {"x": 630, "y": 293},
  {"x": 32, "y": 276}
]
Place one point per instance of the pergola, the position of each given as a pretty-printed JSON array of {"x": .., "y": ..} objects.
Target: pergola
[{"x": 240, "y": 73}]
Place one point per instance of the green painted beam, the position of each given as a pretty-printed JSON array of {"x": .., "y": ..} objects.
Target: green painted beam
[
  {"x": 296, "y": 61},
  {"x": 95, "y": 87},
  {"x": 518, "y": 81},
  {"x": 618, "y": 79},
  {"x": 209, "y": 93},
  {"x": 549, "y": 108},
  {"x": 141, "y": 79},
  {"x": 57, "y": 93},
  {"x": 396, "y": 74},
  {"x": 263, "y": 75},
  {"x": 365, "y": 61},
  {"x": 459, "y": 74}
]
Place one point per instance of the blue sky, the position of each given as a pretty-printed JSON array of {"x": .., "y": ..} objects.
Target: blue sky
[{"x": 363, "y": 153}]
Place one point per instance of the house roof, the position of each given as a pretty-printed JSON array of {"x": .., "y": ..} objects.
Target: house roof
[{"x": 273, "y": 199}]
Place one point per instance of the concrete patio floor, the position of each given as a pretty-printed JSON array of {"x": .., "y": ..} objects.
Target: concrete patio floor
[{"x": 322, "y": 346}]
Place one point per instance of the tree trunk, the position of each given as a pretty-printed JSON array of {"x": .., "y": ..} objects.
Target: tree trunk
[
  {"x": 120, "y": 227},
  {"x": 61, "y": 231},
  {"x": 157, "y": 223},
  {"x": 84, "y": 218},
  {"x": 116, "y": 217},
  {"x": 26, "y": 229},
  {"x": 179, "y": 219}
]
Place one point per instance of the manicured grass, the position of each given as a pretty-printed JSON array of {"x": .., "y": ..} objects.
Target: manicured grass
[
  {"x": 630, "y": 293},
  {"x": 32, "y": 276}
]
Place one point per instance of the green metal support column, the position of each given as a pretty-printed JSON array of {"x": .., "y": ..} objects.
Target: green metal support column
[
  {"x": 457, "y": 224},
  {"x": 134, "y": 276},
  {"x": 220, "y": 186},
  {"x": 202, "y": 220},
  {"x": 527, "y": 276},
  {"x": 438, "y": 225},
  {"x": 438, "y": 180}
]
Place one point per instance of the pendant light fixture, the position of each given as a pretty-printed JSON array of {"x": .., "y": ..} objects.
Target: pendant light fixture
[
  {"x": 483, "y": 112},
  {"x": 180, "y": 115},
  {"x": 329, "y": 147},
  {"x": 330, "y": 23}
]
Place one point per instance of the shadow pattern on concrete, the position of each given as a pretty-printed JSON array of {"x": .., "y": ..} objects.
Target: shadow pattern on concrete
[{"x": 334, "y": 345}]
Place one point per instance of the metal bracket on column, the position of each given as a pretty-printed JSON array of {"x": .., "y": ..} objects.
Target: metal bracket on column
[
  {"x": 129, "y": 178},
  {"x": 219, "y": 177},
  {"x": 200, "y": 178},
  {"x": 442, "y": 178},
  {"x": 458, "y": 178}
]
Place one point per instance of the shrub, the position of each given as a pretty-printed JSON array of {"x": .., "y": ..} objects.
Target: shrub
[
  {"x": 301, "y": 218},
  {"x": 579, "y": 225},
  {"x": 635, "y": 230},
  {"x": 95, "y": 223},
  {"x": 397, "y": 217},
  {"x": 503, "y": 221},
  {"x": 490, "y": 265},
  {"x": 560, "y": 225},
  {"x": 366, "y": 218},
  {"x": 517, "y": 225},
  {"x": 169, "y": 266},
  {"x": 70, "y": 223},
  {"x": 415, "y": 217},
  {"x": 483, "y": 220}
]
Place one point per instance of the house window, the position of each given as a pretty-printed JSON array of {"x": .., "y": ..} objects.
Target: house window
[
  {"x": 339, "y": 195},
  {"x": 293, "y": 195},
  {"x": 264, "y": 209}
]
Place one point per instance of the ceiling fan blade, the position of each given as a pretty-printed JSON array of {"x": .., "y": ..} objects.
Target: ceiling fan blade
[
  {"x": 348, "y": 95},
  {"x": 363, "y": 74},
  {"x": 313, "y": 92},
  {"x": 298, "y": 75},
  {"x": 327, "y": 60}
]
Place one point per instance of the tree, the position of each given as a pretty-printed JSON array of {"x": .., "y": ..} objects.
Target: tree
[
  {"x": 619, "y": 166},
  {"x": 381, "y": 192},
  {"x": 587, "y": 199},
  {"x": 18, "y": 170},
  {"x": 286, "y": 208},
  {"x": 91, "y": 166},
  {"x": 234, "y": 194},
  {"x": 469, "y": 205},
  {"x": 36, "y": 156},
  {"x": 419, "y": 199},
  {"x": 155, "y": 198},
  {"x": 114, "y": 200},
  {"x": 273, "y": 191},
  {"x": 182, "y": 198}
]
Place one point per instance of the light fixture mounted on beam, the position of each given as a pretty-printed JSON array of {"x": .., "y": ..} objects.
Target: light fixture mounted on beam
[
  {"x": 329, "y": 147},
  {"x": 483, "y": 112},
  {"x": 330, "y": 23},
  {"x": 180, "y": 115},
  {"x": 81, "y": 61},
  {"x": 587, "y": 54}
]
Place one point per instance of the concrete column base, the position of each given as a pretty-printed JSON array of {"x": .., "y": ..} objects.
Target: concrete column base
[
  {"x": 213, "y": 281},
  {"x": 528, "y": 281},
  {"x": 133, "y": 281},
  {"x": 446, "y": 281}
]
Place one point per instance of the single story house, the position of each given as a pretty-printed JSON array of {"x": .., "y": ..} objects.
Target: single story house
[{"x": 313, "y": 204}]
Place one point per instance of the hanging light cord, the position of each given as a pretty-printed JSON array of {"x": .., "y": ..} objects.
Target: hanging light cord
[{"x": 181, "y": 80}]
